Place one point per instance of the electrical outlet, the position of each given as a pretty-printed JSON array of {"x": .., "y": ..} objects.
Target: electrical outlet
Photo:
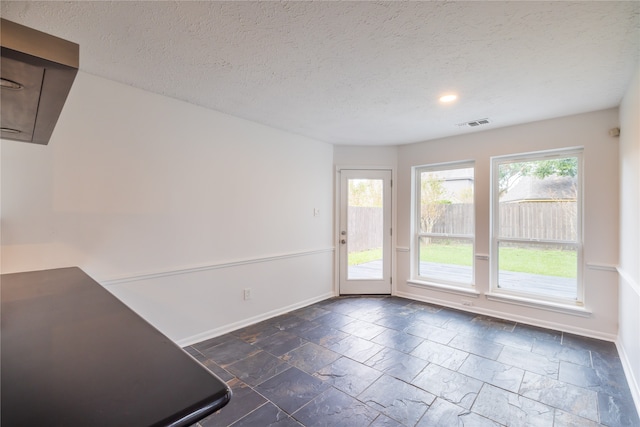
[
  {"x": 247, "y": 294},
  {"x": 466, "y": 302}
]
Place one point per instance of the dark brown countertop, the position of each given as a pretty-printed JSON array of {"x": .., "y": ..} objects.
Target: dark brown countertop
[{"x": 74, "y": 355}]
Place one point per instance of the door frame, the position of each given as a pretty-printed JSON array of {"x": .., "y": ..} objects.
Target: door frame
[{"x": 337, "y": 213}]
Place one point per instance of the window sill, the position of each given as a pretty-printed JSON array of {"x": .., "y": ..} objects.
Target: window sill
[
  {"x": 459, "y": 290},
  {"x": 568, "y": 308}
]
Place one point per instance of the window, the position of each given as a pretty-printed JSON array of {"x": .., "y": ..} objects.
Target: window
[
  {"x": 444, "y": 223},
  {"x": 537, "y": 221}
]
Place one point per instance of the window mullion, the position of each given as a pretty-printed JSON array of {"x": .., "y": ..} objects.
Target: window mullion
[{"x": 539, "y": 241}]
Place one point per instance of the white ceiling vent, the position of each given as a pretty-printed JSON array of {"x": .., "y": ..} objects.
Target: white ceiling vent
[{"x": 474, "y": 123}]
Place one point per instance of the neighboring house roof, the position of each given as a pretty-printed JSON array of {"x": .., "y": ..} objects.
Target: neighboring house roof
[{"x": 530, "y": 188}]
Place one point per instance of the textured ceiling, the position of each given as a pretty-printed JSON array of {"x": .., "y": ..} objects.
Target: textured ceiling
[{"x": 365, "y": 73}]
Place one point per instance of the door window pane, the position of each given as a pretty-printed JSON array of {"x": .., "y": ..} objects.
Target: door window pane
[{"x": 365, "y": 229}]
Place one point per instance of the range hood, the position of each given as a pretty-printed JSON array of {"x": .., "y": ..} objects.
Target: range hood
[{"x": 37, "y": 73}]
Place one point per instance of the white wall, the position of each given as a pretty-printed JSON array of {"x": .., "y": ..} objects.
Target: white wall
[
  {"x": 365, "y": 156},
  {"x": 600, "y": 221},
  {"x": 175, "y": 208},
  {"x": 629, "y": 268}
]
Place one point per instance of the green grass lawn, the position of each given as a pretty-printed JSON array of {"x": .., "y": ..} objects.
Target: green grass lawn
[{"x": 535, "y": 261}]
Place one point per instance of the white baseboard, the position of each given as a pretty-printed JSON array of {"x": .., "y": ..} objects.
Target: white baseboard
[
  {"x": 212, "y": 333},
  {"x": 631, "y": 380}
]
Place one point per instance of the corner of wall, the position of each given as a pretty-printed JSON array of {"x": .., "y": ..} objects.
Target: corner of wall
[{"x": 628, "y": 341}]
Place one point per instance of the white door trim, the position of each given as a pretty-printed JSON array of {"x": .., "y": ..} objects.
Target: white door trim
[{"x": 364, "y": 286}]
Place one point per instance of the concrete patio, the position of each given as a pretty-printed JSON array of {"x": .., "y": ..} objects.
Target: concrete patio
[{"x": 562, "y": 287}]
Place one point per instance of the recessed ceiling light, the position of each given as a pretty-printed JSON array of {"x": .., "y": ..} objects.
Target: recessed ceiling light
[{"x": 448, "y": 98}]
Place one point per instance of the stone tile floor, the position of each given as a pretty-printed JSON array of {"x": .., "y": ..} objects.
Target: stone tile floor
[{"x": 387, "y": 361}]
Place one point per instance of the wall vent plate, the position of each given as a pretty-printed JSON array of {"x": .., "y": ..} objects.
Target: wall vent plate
[{"x": 474, "y": 123}]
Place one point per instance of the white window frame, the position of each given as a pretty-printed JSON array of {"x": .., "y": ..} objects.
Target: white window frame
[
  {"x": 417, "y": 279},
  {"x": 523, "y": 296}
]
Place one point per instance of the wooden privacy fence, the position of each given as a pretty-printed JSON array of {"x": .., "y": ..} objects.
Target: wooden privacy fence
[
  {"x": 528, "y": 220},
  {"x": 454, "y": 219},
  {"x": 365, "y": 228},
  {"x": 539, "y": 220}
]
